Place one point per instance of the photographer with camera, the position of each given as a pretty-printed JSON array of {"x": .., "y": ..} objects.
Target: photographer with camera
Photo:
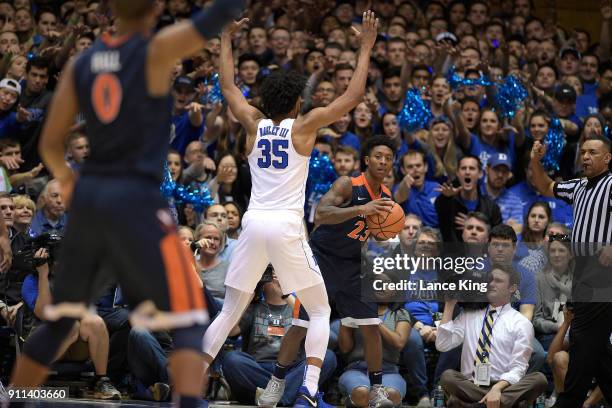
[
  {"x": 262, "y": 327},
  {"x": 88, "y": 338}
]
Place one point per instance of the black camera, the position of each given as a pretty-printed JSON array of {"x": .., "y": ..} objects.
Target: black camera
[{"x": 24, "y": 259}]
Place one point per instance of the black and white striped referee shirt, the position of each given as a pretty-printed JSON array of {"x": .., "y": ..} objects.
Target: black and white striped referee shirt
[{"x": 591, "y": 200}]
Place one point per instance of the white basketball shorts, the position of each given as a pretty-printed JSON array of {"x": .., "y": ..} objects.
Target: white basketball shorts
[{"x": 279, "y": 238}]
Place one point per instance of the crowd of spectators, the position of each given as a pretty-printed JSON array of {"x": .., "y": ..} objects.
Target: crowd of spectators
[{"x": 464, "y": 177}]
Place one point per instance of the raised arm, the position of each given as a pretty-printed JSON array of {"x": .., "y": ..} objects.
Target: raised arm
[
  {"x": 463, "y": 134},
  {"x": 542, "y": 182},
  {"x": 329, "y": 210},
  {"x": 319, "y": 117},
  {"x": 186, "y": 38},
  {"x": 246, "y": 114}
]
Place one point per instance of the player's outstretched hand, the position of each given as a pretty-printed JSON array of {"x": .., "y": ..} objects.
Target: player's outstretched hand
[
  {"x": 234, "y": 26},
  {"x": 369, "y": 30},
  {"x": 380, "y": 206}
]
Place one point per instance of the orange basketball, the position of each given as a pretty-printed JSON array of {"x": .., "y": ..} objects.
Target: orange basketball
[{"x": 388, "y": 225}]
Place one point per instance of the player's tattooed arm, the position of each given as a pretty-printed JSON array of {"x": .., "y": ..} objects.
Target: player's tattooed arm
[
  {"x": 334, "y": 205},
  {"x": 330, "y": 209}
]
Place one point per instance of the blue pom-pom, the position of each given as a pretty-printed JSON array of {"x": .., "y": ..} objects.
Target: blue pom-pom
[
  {"x": 215, "y": 95},
  {"x": 555, "y": 142},
  {"x": 168, "y": 185},
  {"x": 510, "y": 97},
  {"x": 321, "y": 174},
  {"x": 455, "y": 81},
  {"x": 415, "y": 114},
  {"x": 175, "y": 193}
]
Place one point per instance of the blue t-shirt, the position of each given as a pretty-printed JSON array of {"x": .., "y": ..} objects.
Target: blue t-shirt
[
  {"x": 483, "y": 150},
  {"x": 589, "y": 88},
  {"x": 470, "y": 204},
  {"x": 586, "y": 105},
  {"x": 183, "y": 132},
  {"x": 509, "y": 204},
  {"x": 423, "y": 310},
  {"x": 29, "y": 290},
  {"x": 422, "y": 203}
]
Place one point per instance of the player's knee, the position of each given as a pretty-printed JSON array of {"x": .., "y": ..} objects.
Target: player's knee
[
  {"x": 43, "y": 344},
  {"x": 320, "y": 311},
  {"x": 360, "y": 396},
  {"x": 189, "y": 338}
]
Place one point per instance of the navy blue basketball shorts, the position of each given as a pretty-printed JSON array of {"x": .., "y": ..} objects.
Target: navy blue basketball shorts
[
  {"x": 120, "y": 231},
  {"x": 342, "y": 279}
]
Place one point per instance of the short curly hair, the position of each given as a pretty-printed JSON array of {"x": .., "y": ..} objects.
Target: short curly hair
[{"x": 280, "y": 91}]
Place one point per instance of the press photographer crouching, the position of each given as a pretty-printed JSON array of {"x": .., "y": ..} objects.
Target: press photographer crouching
[{"x": 88, "y": 338}]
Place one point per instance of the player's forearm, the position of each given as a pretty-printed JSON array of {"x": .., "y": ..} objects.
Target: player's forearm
[
  {"x": 226, "y": 62},
  {"x": 335, "y": 215},
  {"x": 356, "y": 88},
  {"x": 53, "y": 157}
]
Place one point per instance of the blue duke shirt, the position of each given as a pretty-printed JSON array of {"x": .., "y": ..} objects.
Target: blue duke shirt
[
  {"x": 422, "y": 203},
  {"x": 509, "y": 204}
]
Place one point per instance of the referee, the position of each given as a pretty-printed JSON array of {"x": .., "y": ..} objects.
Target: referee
[{"x": 591, "y": 199}]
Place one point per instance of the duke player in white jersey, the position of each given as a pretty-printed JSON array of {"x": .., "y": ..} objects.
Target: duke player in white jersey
[{"x": 279, "y": 145}]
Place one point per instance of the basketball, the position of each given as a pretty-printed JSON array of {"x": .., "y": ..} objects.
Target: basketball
[{"x": 388, "y": 225}]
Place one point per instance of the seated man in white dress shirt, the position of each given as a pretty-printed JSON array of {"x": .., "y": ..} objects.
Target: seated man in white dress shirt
[{"x": 496, "y": 349}]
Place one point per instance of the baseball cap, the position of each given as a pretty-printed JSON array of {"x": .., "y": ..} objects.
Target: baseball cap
[
  {"x": 500, "y": 159},
  {"x": 446, "y": 36},
  {"x": 565, "y": 93},
  {"x": 570, "y": 50},
  {"x": 184, "y": 82},
  {"x": 11, "y": 85}
]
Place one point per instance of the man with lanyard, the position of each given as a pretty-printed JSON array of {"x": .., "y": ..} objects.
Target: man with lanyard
[
  {"x": 495, "y": 352},
  {"x": 592, "y": 282}
]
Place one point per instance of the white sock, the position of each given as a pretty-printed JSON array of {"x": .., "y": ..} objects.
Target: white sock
[{"x": 311, "y": 379}]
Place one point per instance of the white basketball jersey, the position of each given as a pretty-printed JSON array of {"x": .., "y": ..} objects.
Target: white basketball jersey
[{"x": 278, "y": 172}]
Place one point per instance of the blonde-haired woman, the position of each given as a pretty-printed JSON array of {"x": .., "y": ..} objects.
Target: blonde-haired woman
[
  {"x": 443, "y": 149},
  {"x": 24, "y": 212}
]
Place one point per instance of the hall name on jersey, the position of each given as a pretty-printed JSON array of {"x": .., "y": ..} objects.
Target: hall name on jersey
[
  {"x": 105, "y": 61},
  {"x": 273, "y": 131}
]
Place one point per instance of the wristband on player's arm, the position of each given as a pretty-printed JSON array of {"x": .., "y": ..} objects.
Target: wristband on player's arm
[{"x": 210, "y": 21}]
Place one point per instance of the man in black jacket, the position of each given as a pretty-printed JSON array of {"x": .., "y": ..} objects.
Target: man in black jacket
[{"x": 454, "y": 203}]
